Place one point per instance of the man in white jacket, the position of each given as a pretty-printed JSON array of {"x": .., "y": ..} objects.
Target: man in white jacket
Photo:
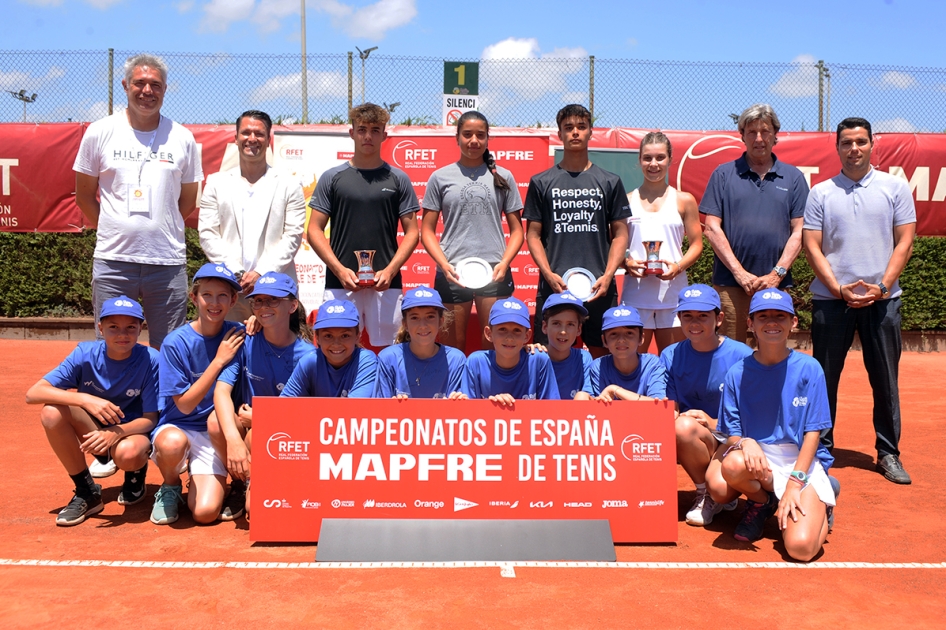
[{"x": 251, "y": 217}]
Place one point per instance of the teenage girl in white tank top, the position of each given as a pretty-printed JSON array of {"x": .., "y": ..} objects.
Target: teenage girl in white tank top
[{"x": 659, "y": 213}]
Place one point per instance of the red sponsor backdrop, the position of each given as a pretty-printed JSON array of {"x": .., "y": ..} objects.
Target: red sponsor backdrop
[
  {"x": 441, "y": 459},
  {"x": 37, "y": 184}
]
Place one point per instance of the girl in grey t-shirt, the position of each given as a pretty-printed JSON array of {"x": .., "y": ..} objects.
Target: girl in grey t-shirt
[{"x": 472, "y": 195}]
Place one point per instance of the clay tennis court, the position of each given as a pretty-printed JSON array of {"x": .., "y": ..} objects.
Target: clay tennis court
[{"x": 884, "y": 565}]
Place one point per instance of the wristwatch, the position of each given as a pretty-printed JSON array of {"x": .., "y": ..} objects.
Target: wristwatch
[
  {"x": 800, "y": 477},
  {"x": 884, "y": 291},
  {"x": 780, "y": 271}
]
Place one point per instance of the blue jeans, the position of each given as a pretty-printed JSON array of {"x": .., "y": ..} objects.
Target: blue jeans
[
  {"x": 162, "y": 289},
  {"x": 833, "y": 324}
]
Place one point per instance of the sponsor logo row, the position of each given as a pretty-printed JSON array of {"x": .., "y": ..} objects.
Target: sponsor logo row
[{"x": 458, "y": 504}]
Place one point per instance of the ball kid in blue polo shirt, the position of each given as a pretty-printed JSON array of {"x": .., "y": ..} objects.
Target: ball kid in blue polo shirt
[
  {"x": 416, "y": 366},
  {"x": 696, "y": 368},
  {"x": 626, "y": 374},
  {"x": 774, "y": 406},
  {"x": 339, "y": 368},
  {"x": 112, "y": 411},
  {"x": 508, "y": 372}
]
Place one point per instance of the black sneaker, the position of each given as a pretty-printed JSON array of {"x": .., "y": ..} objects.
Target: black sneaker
[
  {"x": 235, "y": 504},
  {"x": 80, "y": 508},
  {"x": 753, "y": 520},
  {"x": 133, "y": 490},
  {"x": 891, "y": 468}
]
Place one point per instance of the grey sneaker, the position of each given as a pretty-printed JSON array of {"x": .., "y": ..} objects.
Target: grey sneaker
[
  {"x": 80, "y": 508},
  {"x": 704, "y": 509},
  {"x": 167, "y": 501}
]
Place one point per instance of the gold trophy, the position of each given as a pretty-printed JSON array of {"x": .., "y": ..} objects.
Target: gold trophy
[
  {"x": 365, "y": 259},
  {"x": 653, "y": 266}
]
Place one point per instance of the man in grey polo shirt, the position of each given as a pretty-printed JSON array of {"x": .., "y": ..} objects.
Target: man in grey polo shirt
[
  {"x": 754, "y": 207},
  {"x": 858, "y": 234}
]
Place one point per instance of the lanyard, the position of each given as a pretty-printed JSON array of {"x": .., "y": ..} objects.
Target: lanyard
[{"x": 154, "y": 135}]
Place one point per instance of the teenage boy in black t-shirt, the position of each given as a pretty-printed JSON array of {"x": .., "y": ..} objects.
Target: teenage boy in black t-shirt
[
  {"x": 365, "y": 198},
  {"x": 575, "y": 214}
]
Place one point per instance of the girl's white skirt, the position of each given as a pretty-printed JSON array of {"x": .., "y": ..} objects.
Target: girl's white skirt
[{"x": 782, "y": 458}]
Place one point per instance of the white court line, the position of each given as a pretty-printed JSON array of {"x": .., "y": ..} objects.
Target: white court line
[{"x": 507, "y": 569}]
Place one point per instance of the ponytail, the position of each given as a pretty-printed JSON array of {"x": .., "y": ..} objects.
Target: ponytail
[
  {"x": 498, "y": 179},
  {"x": 298, "y": 323}
]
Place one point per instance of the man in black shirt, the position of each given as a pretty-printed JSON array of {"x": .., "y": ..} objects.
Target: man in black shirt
[
  {"x": 365, "y": 198},
  {"x": 576, "y": 217}
]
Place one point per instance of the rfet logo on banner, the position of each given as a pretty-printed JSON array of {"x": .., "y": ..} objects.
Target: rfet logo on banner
[{"x": 347, "y": 458}]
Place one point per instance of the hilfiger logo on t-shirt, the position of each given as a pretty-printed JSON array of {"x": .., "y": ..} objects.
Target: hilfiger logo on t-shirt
[
  {"x": 573, "y": 209},
  {"x": 138, "y": 156}
]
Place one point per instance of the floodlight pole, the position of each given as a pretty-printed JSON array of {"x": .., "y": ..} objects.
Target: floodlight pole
[
  {"x": 21, "y": 96},
  {"x": 364, "y": 55},
  {"x": 305, "y": 74}
]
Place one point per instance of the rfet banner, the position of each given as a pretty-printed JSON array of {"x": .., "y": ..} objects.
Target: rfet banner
[
  {"x": 316, "y": 458},
  {"x": 37, "y": 185},
  {"x": 919, "y": 159}
]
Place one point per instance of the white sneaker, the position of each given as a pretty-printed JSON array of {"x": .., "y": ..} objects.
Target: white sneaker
[
  {"x": 98, "y": 470},
  {"x": 704, "y": 509}
]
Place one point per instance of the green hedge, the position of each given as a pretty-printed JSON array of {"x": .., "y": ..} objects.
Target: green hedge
[{"x": 48, "y": 275}]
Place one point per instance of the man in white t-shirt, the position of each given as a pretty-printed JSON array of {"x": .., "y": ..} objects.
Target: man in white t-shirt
[
  {"x": 252, "y": 217},
  {"x": 145, "y": 170}
]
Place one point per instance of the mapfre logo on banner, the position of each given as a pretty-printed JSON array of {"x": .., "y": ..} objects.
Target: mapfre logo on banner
[{"x": 282, "y": 446}]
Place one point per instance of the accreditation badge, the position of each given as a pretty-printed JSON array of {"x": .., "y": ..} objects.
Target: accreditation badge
[{"x": 139, "y": 201}]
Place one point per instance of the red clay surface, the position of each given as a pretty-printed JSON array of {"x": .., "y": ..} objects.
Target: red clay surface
[{"x": 876, "y": 522}]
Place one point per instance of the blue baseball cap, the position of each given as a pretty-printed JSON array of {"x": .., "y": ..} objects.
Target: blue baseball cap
[
  {"x": 219, "y": 272},
  {"x": 564, "y": 299},
  {"x": 121, "y": 305},
  {"x": 421, "y": 296},
  {"x": 275, "y": 284},
  {"x": 621, "y": 316},
  {"x": 509, "y": 311},
  {"x": 337, "y": 314},
  {"x": 773, "y": 299},
  {"x": 699, "y": 297}
]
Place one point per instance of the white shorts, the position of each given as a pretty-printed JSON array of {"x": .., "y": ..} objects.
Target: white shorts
[
  {"x": 782, "y": 458},
  {"x": 201, "y": 456},
  {"x": 380, "y": 311},
  {"x": 655, "y": 318}
]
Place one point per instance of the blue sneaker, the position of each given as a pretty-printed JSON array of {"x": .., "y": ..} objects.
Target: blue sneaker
[
  {"x": 753, "y": 520},
  {"x": 167, "y": 501}
]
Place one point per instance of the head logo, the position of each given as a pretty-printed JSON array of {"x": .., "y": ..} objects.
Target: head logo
[
  {"x": 635, "y": 449},
  {"x": 282, "y": 446}
]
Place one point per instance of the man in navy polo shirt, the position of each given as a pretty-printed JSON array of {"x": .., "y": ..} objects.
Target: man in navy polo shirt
[
  {"x": 754, "y": 209},
  {"x": 859, "y": 230}
]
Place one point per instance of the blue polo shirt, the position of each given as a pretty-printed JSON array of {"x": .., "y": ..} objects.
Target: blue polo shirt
[{"x": 756, "y": 214}]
